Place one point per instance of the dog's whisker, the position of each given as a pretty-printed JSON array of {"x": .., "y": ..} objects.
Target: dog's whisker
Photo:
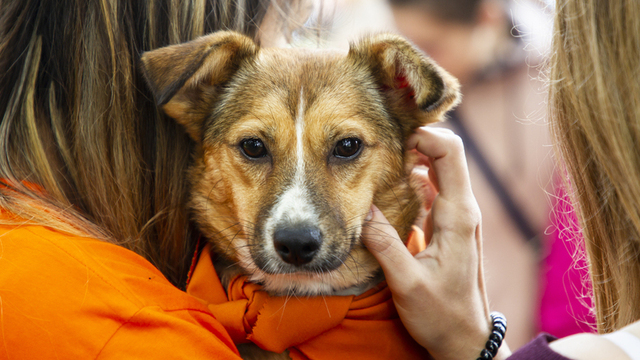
[
  {"x": 225, "y": 229},
  {"x": 209, "y": 194},
  {"x": 392, "y": 191},
  {"x": 356, "y": 263},
  {"x": 284, "y": 306},
  {"x": 343, "y": 263},
  {"x": 231, "y": 242}
]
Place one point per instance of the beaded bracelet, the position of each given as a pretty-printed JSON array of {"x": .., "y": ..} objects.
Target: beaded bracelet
[{"x": 499, "y": 323}]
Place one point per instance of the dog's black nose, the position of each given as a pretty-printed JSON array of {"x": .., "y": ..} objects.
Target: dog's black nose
[{"x": 297, "y": 245}]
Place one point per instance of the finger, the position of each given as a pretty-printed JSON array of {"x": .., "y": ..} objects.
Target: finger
[
  {"x": 433, "y": 176},
  {"x": 427, "y": 187},
  {"x": 447, "y": 159},
  {"x": 384, "y": 243},
  {"x": 421, "y": 159}
]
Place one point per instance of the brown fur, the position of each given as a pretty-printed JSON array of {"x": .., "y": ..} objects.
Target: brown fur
[{"x": 223, "y": 88}]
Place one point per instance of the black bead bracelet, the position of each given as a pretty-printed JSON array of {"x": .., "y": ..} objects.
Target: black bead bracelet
[{"x": 499, "y": 324}]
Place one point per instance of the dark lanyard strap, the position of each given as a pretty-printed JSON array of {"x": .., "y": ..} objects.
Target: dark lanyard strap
[{"x": 513, "y": 210}]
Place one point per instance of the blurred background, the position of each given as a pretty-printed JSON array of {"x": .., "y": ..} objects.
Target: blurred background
[{"x": 497, "y": 49}]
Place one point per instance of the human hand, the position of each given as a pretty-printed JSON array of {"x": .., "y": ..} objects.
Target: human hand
[{"x": 440, "y": 293}]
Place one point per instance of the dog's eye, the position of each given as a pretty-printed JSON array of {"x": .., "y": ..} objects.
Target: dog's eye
[
  {"x": 347, "y": 148},
  {"x": 253, "y": 148}
]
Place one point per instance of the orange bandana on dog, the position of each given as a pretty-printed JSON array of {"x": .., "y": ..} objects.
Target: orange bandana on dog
[{"x": 324, "y": 327}]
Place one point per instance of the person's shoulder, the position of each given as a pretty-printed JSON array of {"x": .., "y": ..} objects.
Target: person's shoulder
[
  {"x": 58, "y": 289},
  {"x": 40, "y": 255},
  {"x": 586, "y": 346},
  {"x": 537, "y": 349}
]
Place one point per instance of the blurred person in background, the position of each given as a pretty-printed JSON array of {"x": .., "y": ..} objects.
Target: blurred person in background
[{"x": 502, "y": 123}]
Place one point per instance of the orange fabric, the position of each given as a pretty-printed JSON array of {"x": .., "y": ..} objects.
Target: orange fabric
[
  {"x": 331, "y": 327},
  {"x": 416, "y": 241},
  {"x": 65, "y": 297}
]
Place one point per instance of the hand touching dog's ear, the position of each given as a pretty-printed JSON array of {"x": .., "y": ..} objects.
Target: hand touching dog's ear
[
  {"x": 418, "y": 91},
  {"x": 184, "y": 77}
]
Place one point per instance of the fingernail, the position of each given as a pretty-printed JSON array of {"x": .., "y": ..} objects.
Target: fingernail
[
  {"x": 369, "y": 215},
  {"x": 421, "y": 170}
]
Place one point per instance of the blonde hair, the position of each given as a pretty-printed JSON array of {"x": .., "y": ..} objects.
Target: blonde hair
[
  {"x": 595, "y": 119},
  {"x": 83, "y": 148}
]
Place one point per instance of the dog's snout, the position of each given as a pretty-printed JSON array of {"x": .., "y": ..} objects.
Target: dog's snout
[{"x": 297, "y": 245}]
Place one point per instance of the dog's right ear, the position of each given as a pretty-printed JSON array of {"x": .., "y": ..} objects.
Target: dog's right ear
[
  {"x": 184, "y": 78},
  {"x": 417, "y": 90}
]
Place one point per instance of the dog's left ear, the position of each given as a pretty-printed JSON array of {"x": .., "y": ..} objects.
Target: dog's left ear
[
  {"x": 417, "y": 90},
  {"x": 186, "y": 78}
]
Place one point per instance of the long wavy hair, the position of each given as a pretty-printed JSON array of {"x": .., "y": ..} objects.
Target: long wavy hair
[
  {"x": 83, "y": 148},
  {"x": 595, "y": 120}
]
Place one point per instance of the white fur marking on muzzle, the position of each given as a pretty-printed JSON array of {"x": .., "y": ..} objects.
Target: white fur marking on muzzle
[{"x": 294, "y": 205}]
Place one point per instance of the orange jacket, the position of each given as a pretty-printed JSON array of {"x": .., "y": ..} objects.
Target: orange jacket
[{"x": 64, "y": 297}]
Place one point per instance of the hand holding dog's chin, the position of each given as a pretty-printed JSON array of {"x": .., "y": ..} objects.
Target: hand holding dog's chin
[{"x": 439, "y": 293}]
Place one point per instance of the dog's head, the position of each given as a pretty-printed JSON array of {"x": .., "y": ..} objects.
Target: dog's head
[{"x": 293, "y": 147}]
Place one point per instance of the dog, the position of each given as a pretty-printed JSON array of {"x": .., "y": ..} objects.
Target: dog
[{"x": 292, "y": 146}]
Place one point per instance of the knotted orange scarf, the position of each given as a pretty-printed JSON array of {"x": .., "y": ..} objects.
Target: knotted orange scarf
[{"x": 364, "y": 327}]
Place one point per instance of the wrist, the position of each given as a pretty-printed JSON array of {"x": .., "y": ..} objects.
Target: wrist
[
  {"x": 495, "y": 339},
  {"x": 466, "y": 342}
]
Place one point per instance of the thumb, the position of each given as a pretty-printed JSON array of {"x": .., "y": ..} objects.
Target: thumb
[{"x": 385, "y": 245}]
